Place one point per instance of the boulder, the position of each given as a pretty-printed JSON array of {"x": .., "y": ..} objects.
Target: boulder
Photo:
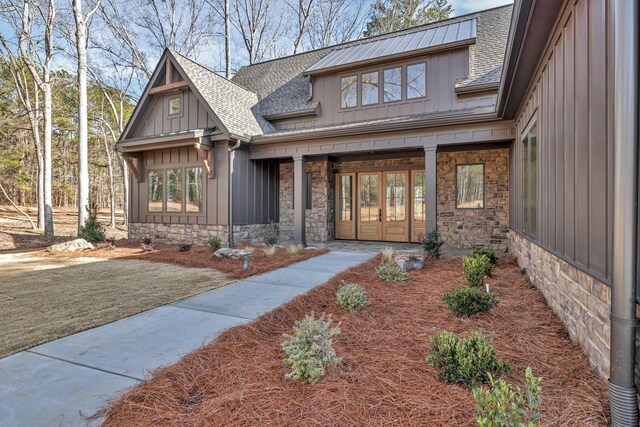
[
  {"x": 231, "y": 253},
  {"x": 409, "y": 261},
  {"x": 71, "y": 246}
]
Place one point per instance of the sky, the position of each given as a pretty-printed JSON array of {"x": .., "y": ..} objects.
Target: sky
[{"x": 462, "y": 7}]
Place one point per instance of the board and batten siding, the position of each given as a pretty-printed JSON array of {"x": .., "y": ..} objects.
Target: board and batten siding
[
  {"x": 215, "y": 205},
  {"x": 570, "y": 101},
  {"x": 255, "y": 189}
]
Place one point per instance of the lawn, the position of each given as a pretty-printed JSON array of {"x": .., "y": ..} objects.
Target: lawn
[{"x": 383, "y": 378}]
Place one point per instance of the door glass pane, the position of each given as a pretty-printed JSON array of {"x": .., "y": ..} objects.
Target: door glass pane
[
  {"x": 194, "y": 189},
  {"x": 174, "y": 190},
  {"x": 369, "y": 204},
  {"x": 418, "y": 197},
  {"x": 395, "y": 208},
  {"x": 154, "y": 191},
  {"x": 345, "y": 210}
]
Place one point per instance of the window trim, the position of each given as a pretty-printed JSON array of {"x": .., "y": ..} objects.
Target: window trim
[
  {"x": 163, "y": 169},
  {"x": 424, "y": 62},
  {"x": 484, "y": 186}
]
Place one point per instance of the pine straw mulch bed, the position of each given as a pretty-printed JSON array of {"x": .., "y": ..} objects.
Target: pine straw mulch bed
[
  {"x": 198, "y": 257},
  {"x": 383, "y": 378}
]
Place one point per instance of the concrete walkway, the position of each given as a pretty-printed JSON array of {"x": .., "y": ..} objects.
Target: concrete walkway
[{"x": 64, "y": 381}]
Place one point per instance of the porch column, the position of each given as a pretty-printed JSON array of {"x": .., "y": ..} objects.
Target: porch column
[
  {"x": 299, "y": 197},
  {"x": 430, "y": 185}
]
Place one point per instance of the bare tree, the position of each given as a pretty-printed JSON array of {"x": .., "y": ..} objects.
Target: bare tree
[
  {"x": 259, "y": 26},
  {"x": 83, "y": 147},
  {"x": 227, "y": 40},
  {"x": 335, "y": 21},
  {"x": 302, "y": 10}
]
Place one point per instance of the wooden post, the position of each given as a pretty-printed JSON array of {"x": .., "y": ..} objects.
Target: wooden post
[
  {"x": 299, "y": 198},
  {"x": 430, "y": 185}
]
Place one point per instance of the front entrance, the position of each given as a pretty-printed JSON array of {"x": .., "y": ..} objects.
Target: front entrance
[{"x": 379, "y": 205}]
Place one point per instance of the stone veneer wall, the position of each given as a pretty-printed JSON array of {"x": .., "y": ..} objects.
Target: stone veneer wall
[
  {"x": 579, "y": 300},
  {"x": 195, "y": 233},
  {"x": 320, "y": 218},
  {"x": 469, "y": 228}
]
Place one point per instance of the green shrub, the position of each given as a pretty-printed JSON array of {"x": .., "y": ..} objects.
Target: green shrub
[
  {"x": 92, "y": 230},
  {"x": 294, "y": 250},
  {"x": 502, "y": 406},
  {"x": 310, "y": 349},
  {"x": 431, "y": 243},
  {"x": 475, "y": 269},
  {"x": 465, "y": 361},
  {"x": 214, "y": 243},
  {"x": 391, "y": 272},
  {"x": 466, "y": 301},
  {"x": 270, "y": 237},
  {"x": 270, "y": 250},
  {"x": 489, "y": 253},
  {"x": 351, "y": 296}
]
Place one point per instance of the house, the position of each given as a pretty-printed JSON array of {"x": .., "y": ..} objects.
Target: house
[{"x": 497, "y": 128}]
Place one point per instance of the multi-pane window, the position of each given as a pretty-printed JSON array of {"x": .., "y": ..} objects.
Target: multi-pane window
[
  {"x": 175, "y": 107},
  {"x": 169, "y": 197},
  {"x": 470, "y": 186},
  {"x": 155, "y": 190},
  {"x": 193, "y": 191},
  {"x": 416, "y": 80},
  {"x": 530, "y": 182},
  {"x": 349, "y": 92},
  {"x": 174, "y": 190},
  {"x": 370, "y": 88},
  {"x": 392, "y": 84}
]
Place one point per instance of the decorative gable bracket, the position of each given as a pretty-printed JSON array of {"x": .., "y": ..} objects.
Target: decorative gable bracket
[
  {"x": 134, "y": 161},
  {"x": 207, "y": 157}
]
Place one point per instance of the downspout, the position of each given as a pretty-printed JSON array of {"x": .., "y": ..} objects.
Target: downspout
[
  {"x": 230, "y": 157},
  {"x": 622, "y": 388}
]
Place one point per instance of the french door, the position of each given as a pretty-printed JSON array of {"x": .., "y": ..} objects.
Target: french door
[
  {"x": 369, "y": 206},
  {"x": 395, "y": 221},
  {"x": 345, "y": 206}
]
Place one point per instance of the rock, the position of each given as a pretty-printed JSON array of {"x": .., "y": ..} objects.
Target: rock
[
  {"x": 71, "y": 246},
  {"x": 231, "y": 253},
  {"x": 409, "y": 261}
]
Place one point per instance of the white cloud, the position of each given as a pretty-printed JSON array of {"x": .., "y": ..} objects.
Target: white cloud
[{"x": 462, "y": 7}]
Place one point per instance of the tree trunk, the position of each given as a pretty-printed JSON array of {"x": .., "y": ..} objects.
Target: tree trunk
[
  {"x": 48, "y": 205},
  {"x": 227, "y": 39},
  {"x": 112, "y": 183}
]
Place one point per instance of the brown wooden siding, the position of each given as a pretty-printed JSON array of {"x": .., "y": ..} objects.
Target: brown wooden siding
[
  {"x": 570, "y": 101},
  {"x": 156, "y": 119},
  {"x": 255, "y": 189},
  {"x": 443, "y": 70}
]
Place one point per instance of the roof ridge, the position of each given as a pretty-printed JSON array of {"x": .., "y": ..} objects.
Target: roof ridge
[
  {"x": 175, "y": 53},
  {"x": 370, "y": 38}
]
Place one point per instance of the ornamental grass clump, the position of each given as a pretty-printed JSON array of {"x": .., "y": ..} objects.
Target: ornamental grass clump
[
  {"x": 391, "y": 272},
  {"x": 387, "y": 255},
  {"x": 294, "y": 250},
  {"x": 475, "y": 269},
  {"x": 501, "y": 405},
  {"x": 467, "y": 301},
  {"x": 465, "y": 361},
  {"x": 351, "y": 296},
  {"x": 310, "y": 349},
  {"x": 270, "y": 251}
]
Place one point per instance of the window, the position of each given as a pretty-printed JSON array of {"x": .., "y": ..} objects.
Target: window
[
  {"x": 349, "y": 92},
  {"x": 370, "y": 88},
  {"x": 416, "y": 80},
  {"x": 193, "y": 185},
  {"x": 392, "y": 84},
  {"x": 470, "y": 186},
  {"x": 345, "y": 211},
  {"x": 155, "y": 191},
  {"x": 174, "y": 190},
  {"x": 175, "y": 107},
  {"x": 530, "y": 182},
  {"x": 418, "y": 197}
]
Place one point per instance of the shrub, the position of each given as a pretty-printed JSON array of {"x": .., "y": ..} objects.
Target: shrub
[
  {"x": 270, "y": 251},
  {"x": 270, "y": 237},
  {"x": 387, "y": 255},
  {"x": 431, "y": 243},
  {"x": 351, "y": 296},
  {"x": 294, "y": 250},
  {"x": 92, "y": 230},
  {"x": 391, "y": 272},
  {"x": 466, "y": 301},
  {"x": 185, "y": 247},
  {"x": 502, "y": 405},
  {"x": 310, "y": 349},
  {"x": 465, "y": 361},
  {"x": 475, "y": 269},
  {"x": 489, "y": 253},
  {"x": 214, "y": 243}
]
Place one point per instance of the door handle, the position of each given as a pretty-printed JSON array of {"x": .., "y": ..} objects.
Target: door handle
[{"x": 380, "y": 215}]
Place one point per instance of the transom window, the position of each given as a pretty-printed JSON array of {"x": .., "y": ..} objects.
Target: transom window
[
  {"x": 398, "y": 83},
  {"x": 175, "y": 106},
  {"x": 170, "y": 198},
  {"x": 349, "y": 92},
  {"x": 470, "y": 186}
]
